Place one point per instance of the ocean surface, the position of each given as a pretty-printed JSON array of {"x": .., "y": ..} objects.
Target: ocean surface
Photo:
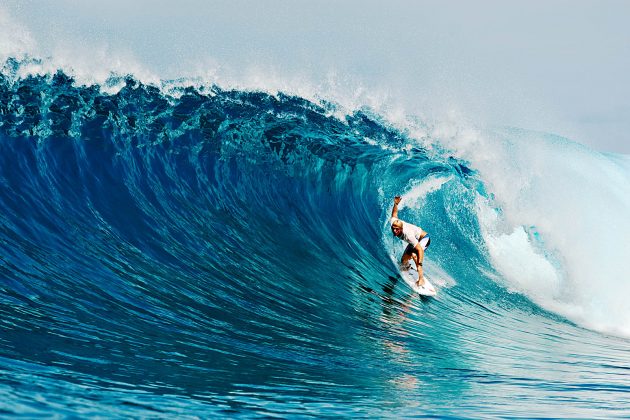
[{"x": 192, "y": 251}]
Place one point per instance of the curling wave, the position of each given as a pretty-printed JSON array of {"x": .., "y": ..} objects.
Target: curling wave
[{"x": 225, "y": 252}]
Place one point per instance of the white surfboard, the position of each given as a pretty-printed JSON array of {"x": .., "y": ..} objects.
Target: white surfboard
[{"x": 410, "y": 276}]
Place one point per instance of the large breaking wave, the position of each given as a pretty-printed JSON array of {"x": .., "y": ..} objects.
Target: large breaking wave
[{"x": 175, "y": 248}]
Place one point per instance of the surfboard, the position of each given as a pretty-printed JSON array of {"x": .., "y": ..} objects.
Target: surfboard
[{"x": 410, "y": 276}]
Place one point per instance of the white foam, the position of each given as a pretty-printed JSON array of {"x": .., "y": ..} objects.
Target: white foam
[
  {"x": 561, "y": 233},
  {"x": 418, "y": 191},
  {"x": 88, "y": 64},
  {"x": 15, "y": 40}
]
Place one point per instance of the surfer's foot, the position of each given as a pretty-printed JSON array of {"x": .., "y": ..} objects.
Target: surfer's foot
[
  {"x": 420, "y": 283},
  {"x": 405, "y": 267}
]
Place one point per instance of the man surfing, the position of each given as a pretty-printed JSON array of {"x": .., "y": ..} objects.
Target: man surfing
[{"x": 417, "y": 239}]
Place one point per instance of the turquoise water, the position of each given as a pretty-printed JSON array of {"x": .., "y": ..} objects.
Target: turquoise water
[{"x": 223, "y": 253}]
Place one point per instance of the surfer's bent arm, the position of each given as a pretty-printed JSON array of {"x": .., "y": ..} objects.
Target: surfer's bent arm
[{"x": 395, "y": 209}]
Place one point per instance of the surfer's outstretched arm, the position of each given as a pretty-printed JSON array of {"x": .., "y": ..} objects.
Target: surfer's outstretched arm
[{"x": 395, "y": 209}]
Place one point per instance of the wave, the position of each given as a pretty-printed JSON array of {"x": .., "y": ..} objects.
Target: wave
[{"x": 227, "y": 251}]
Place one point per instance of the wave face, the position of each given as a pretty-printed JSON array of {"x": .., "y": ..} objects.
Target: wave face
[{"x": 226, "y": 253}]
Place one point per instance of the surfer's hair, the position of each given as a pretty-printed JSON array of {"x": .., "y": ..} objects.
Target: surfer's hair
[{"x": 397, "y": 223}]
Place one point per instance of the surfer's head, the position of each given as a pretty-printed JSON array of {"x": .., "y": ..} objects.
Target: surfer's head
[{"x": 397, "y": 227}]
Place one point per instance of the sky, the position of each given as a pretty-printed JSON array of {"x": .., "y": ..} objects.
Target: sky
[{"x": 557, "y": 66}]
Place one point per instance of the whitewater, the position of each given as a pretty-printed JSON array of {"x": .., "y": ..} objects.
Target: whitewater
[{"x": 186, "y": 248}]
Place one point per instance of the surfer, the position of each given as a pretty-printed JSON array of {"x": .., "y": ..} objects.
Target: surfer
[{"x": 418, "y": 240}]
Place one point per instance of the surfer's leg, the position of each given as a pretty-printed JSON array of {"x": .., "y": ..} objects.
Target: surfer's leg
[
  {"x": 404, "y": 261},
  {"x": 419, "y": 257},
  {"x": 407, "y": 255}
]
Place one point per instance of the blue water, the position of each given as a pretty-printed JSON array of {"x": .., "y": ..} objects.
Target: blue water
[{"x": 222, "y": 253}]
